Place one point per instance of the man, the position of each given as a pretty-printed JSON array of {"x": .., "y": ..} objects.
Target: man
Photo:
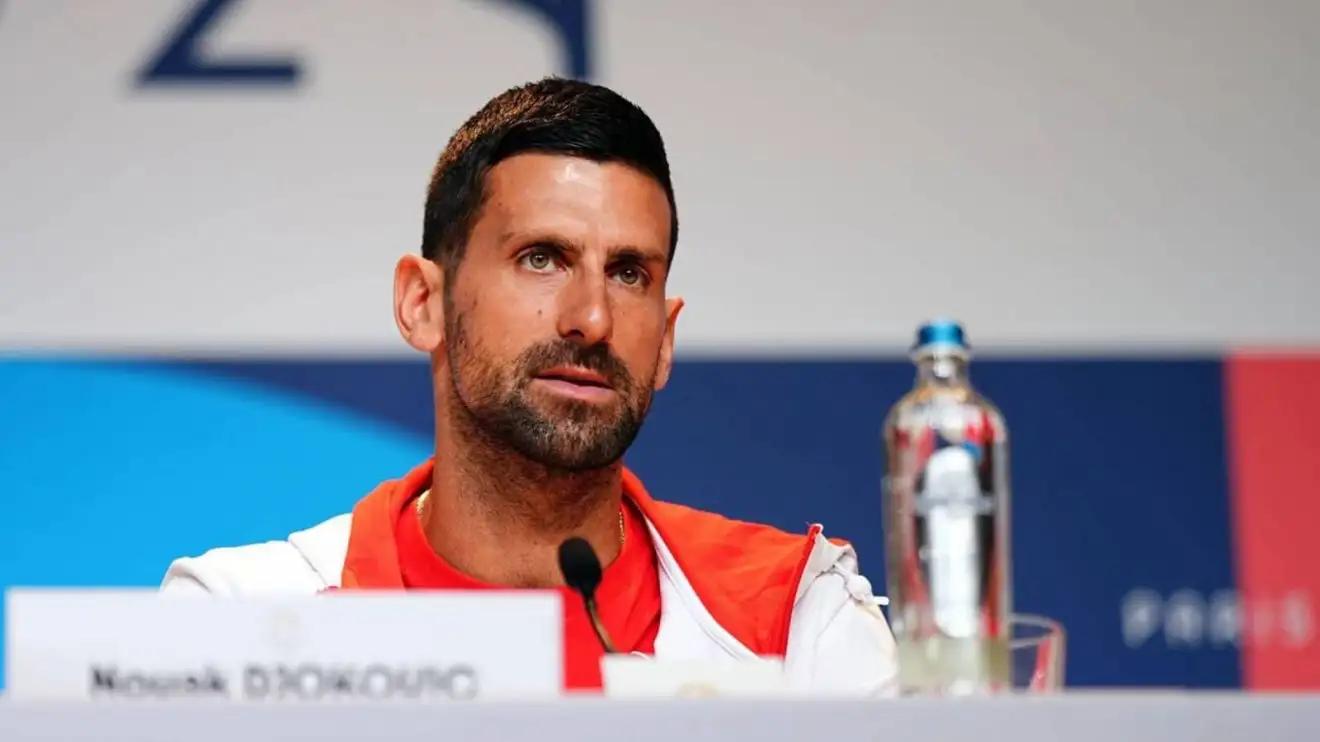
[{"x": 539, "y": 295}]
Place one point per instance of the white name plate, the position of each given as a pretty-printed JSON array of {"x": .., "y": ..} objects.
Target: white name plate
[
  {"x": 635, "y": 677},
  {"x": 139, "y": 644}
]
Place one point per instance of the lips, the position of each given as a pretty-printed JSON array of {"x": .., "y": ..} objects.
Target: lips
[{"x": 576, "y": 375}]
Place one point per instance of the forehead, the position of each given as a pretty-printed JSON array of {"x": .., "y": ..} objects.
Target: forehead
[{"x": 578, "y": 199}]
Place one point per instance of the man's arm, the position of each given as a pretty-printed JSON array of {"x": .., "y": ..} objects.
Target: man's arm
[
  {"x": 855, "y": 654},
  {"x": 180, "y": 579},
  {"x": 839, "y": 641},
  {"x": 274, "y": 567}
]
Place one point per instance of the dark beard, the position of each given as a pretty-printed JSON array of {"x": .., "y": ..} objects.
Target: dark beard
[{"x": 574, "y": 437}]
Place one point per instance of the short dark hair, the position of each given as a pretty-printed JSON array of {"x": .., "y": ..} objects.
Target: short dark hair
[{"x": 552, "y": 115}]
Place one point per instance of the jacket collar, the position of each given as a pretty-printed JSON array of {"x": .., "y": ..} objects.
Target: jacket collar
[{"x": 746, "y": 575}]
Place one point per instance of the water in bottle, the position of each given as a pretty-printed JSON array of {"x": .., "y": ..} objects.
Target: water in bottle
[{"x": 946, "y": 520}]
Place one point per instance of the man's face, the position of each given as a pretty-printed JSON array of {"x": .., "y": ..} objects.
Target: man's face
[{"x": 557, "y": 330}]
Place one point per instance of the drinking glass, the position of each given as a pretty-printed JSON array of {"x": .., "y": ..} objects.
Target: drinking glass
[
  {"x": 1029, "y": 659},
  {"x": 1036, "y": 654}
]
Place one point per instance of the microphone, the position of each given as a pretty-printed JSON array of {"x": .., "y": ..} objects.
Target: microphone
[{"x": 582, "y": 572}]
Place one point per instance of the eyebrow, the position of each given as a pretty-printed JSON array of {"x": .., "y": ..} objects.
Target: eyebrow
[
  {"x": 637, "y": 254},
  {"x": 624, "y": 252}
]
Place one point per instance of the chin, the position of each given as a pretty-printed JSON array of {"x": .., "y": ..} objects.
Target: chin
[
  {"x": 569, "y": 419},
  {"x": 572, "y": 464},
  {"x": 573, "y": 454}
]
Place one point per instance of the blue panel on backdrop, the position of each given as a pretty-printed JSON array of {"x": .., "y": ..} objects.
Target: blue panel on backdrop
[
  {"x": 1120, "y": 482},
  {"x": 1118, "y": 469},
  {"x": 110, "y": 471},
  {"x": 394, "y": 392}
]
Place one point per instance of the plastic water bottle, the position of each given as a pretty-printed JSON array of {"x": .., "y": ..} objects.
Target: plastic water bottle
[{"x": 946, "y": 520}]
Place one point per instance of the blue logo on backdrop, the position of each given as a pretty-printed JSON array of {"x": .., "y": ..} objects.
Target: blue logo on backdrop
[
  {"x": 571, "y": 22},
  {"x": 179, "y": 60}
]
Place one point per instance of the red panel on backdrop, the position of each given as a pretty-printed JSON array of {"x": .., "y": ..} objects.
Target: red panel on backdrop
[{"x": 1273, "y": 410}]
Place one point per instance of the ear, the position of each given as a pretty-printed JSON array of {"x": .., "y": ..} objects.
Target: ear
[
  {"x": 673, "y": 306},
  {"x": 419, "y": 307}
]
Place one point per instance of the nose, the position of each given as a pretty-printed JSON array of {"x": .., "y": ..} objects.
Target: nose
[{"x": 586, "y": 316}]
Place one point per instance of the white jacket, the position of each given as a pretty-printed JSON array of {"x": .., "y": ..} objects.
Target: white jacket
[{"x": 838, "y": 641}]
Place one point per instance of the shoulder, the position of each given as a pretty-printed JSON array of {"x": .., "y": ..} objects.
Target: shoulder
[
  {"x": 743, "y": 569},
  {"x": 724, "y": 533},
  {"x": 307, "y": 561},
  {"x": 749, "y": 553}
]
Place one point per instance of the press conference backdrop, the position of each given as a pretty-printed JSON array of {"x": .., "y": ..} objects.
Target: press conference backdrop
[{"x": 202, "y": 203}]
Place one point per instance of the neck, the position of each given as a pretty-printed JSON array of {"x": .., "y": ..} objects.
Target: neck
[{"x": 500, "y": 518}]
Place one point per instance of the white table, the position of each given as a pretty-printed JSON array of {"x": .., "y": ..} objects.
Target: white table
[{"x": 1081, "y": 717}]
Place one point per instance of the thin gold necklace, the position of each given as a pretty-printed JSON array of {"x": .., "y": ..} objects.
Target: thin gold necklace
[{"x": 623, "y": 530}]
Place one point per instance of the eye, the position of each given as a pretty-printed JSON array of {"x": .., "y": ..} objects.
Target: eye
[
  {"x": 539, "y": 259},
  {"x": 631, "y": 275}
]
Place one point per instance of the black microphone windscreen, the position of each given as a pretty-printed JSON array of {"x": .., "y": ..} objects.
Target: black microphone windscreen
[{"x": 580, "y": 565}]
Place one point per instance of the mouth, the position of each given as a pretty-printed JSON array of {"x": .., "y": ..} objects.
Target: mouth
[
  {"x": 577, "y": 376},
  {"x": 576, "y": 383}
]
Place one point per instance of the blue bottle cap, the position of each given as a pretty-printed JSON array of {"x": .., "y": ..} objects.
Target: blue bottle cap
[{"x": 944, "y": 333}]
